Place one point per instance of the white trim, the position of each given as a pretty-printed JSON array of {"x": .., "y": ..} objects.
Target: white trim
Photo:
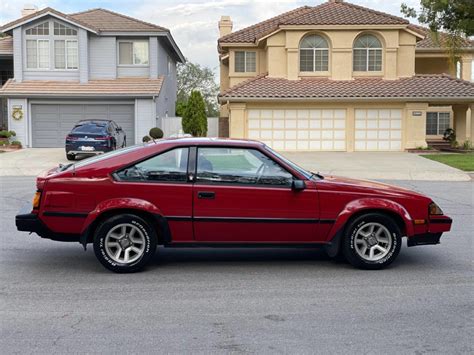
[
  {"x": 135, "y": 123},
  {"x": 48, "y": 14}
]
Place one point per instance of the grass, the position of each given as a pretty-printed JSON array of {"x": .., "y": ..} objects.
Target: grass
[{"x": 460, "y": 161}]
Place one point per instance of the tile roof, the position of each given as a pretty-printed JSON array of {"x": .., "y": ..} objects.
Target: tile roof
[
  {"x": 6, "y": 45},
  {"x": 96, "y": 20},
  {"x": 106, "y": 20},
  {"x": 328, "y": 13},
  {"x": 417, "y": 87},
  {"x": 129, "y": 87},
  {"x": 42, "y": 12},
  {"x": 437, "y": 41}
]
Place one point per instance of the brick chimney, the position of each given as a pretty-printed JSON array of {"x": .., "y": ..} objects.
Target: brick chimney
[
  {"x": 28, "y": 10},
  {"x": 225, "y": 26}
]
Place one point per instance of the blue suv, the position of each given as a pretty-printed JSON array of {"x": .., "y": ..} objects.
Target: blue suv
[{"x": 94, "y": 137}]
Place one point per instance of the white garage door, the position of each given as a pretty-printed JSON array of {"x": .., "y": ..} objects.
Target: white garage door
[
  {"x": 378, "y": 129},
  {"x": 51, "y": 123},
  {"x": 315, "y": 129}
]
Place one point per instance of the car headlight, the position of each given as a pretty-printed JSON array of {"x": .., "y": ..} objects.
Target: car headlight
[{"x": 433, "y": 209}]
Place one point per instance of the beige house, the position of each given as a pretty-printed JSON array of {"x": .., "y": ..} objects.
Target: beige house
[{"x": 341, "y": 77}]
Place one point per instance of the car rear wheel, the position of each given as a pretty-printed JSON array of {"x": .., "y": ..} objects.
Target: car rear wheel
[
  {"x": 70, "y": 157},
  {"x": 125, "y": 243},
  {"x": 372, "y": 241}
]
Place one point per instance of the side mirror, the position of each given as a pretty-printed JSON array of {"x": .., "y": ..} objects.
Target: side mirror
[
  {"x": 119, "y": 129},
  {"x": 298, "y": 185}
]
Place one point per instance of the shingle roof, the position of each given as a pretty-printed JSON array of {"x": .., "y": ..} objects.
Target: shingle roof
[
  {"x": 6, "y": 46},
  {"x": 133, "y": 87},
  {"x": 106, "y": 20},
  {"x": 328, "y": 13},
  {"x": 417, "y": 87}
]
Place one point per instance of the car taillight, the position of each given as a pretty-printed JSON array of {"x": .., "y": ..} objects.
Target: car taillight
[
  {"x": 102, "y": 138},
  {"x": 36, "y": 199},
  {"x": 71, "y": 138}
]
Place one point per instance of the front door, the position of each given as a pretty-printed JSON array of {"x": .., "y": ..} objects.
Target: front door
[{"x": 242, "y": 195}]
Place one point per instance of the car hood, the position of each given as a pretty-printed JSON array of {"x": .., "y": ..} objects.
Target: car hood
[{"x": 378, "y": 188}]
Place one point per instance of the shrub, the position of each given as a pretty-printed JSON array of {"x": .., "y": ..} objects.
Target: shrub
[
  {"x": 146, "y": 139},
  {"x": 18, "y": 143},
  {"x": 449, "y": 135},
  {"x": 194, "y": 116},
  {"x": 467, "y": 145},
  {"x": 12, "y": 133},
  {"x": 156, "y": 133},
  {"x": 5, "y": 134}
]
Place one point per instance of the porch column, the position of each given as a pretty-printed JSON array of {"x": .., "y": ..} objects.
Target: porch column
[{"x": 470, "y": 123}]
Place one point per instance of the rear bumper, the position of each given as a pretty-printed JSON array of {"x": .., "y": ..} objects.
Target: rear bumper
[
  {"x": 30, "y": 222},
  {"x": 92, "y": 152}
]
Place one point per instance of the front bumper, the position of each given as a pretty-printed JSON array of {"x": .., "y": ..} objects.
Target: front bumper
[
  {"x": 30, "y": 222},
  {"x": 436, "y": 227}
]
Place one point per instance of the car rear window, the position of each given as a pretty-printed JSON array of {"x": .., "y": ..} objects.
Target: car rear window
[{"x": 90, "y": 128}]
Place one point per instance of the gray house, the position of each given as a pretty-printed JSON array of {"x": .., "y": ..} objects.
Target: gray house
[{"x": 95, "y": 64}]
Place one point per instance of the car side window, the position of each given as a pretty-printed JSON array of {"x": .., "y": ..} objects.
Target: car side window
[
  {"x": 239, "y": 166},
  {"x": 170, "y": 166}
]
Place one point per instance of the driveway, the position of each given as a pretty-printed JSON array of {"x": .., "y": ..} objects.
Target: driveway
[{"x": 361, "y": 165}]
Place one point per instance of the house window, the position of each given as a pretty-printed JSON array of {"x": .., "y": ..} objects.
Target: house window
[
  {"x": 37, "y": 53},
  {"x": 245, "y": 62},
  {"x": 62, "y": 30},
  {"x": 65, "y": 54},
  {"x": 133, "y": 53},
  {"x": 40, "y": 30},
  {"x": 437, "y": 123},
  {"x": 314, "y": 54},
  {"x": 367, "y": 54}
]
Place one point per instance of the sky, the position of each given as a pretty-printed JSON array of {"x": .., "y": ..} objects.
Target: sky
[{"x": 193, "y": 23}]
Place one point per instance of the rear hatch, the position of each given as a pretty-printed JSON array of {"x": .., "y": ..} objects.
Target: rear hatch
[{"x": 89, "y": 136}]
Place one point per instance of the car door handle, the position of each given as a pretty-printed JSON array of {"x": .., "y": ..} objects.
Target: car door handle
[{"x": 206, "y": 195}]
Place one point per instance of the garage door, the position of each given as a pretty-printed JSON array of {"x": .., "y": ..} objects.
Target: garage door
[
  {"x": 378, "y": 129},
  {"x": 315, "y": 129},
  {"x": 51, "y": 123}
]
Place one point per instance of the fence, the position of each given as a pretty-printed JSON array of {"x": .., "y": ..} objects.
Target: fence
[{"x": 172, "y": 126}]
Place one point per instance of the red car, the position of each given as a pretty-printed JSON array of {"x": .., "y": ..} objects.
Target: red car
[{"x": 199, "y": 192}]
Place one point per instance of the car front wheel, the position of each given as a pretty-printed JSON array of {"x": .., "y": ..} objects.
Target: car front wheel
[
  {"x": 372, "y": 241},
  {"x": 125, "y": 243},
  {"x": 70, "y": 157}
]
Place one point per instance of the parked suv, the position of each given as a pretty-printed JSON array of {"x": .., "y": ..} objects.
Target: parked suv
[{"x": 94, "y": 137}]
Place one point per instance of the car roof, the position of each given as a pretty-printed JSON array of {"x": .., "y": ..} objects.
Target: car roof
[{"x": 200, "y": 141}]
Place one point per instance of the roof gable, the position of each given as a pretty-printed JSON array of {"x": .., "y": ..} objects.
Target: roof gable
[
  {"x": 328, "y": 13},
  {"x": 109, "y": 21}
]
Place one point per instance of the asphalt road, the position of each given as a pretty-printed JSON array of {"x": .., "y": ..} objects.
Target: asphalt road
[{"x": 56, "y": 298}]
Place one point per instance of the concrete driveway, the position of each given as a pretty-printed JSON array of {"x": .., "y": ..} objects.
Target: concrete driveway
[{"x": 361, "y": 165}]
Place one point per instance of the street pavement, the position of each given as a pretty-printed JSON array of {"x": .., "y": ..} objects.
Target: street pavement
[{"x": 56, "y": 298}]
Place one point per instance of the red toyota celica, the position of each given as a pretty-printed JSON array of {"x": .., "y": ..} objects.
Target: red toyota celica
[{"x": 200, "y": 192}]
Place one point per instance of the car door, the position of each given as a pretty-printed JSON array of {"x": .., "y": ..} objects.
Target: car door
[
  {"x": 241, "y": 195},
  {"x": 163, "y": 181}
]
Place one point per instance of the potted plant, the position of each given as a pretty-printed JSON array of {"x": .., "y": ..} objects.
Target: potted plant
[{"x": 15, "y": 145}]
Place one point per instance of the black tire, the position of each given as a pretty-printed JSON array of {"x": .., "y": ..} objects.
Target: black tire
[
  {"x": 70, "y": 157},
  {"x": 363, "y": 224},
  {"x": 144, "y": 230}
]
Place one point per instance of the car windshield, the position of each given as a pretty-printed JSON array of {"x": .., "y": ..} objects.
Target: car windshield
[
  {"x": 90, "y": 128},
  {"x": 305, "y": 173}
]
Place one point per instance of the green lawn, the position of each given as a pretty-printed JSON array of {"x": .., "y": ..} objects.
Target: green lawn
[{"x": 460, "y": 161}]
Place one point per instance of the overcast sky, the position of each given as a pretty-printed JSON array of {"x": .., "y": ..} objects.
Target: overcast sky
[{"x": 193, "y": 23}]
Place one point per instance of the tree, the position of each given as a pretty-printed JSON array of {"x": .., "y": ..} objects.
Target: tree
[
  {"x": 454, "y": 17},
  {"x": 195, "y": 77},
  {"x": 194, "y": 116}
]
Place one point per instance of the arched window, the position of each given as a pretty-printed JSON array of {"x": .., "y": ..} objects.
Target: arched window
[
  {"x": 314, "y": 54},
  {"x": 367, "y": 53}
]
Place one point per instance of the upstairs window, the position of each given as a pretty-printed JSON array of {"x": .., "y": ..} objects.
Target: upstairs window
[
  {"x": 314, "y": 54},
  {"x": 367, "y": 54},
  {"x": 65, "y": 54},
  {"x": 40, "y": 30},
  {"x": 62, "y": 30},
  {"x": 245, "y": 62},
  {"x": 37, "y": 54},
  {"x": 133, "y": 53}
]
